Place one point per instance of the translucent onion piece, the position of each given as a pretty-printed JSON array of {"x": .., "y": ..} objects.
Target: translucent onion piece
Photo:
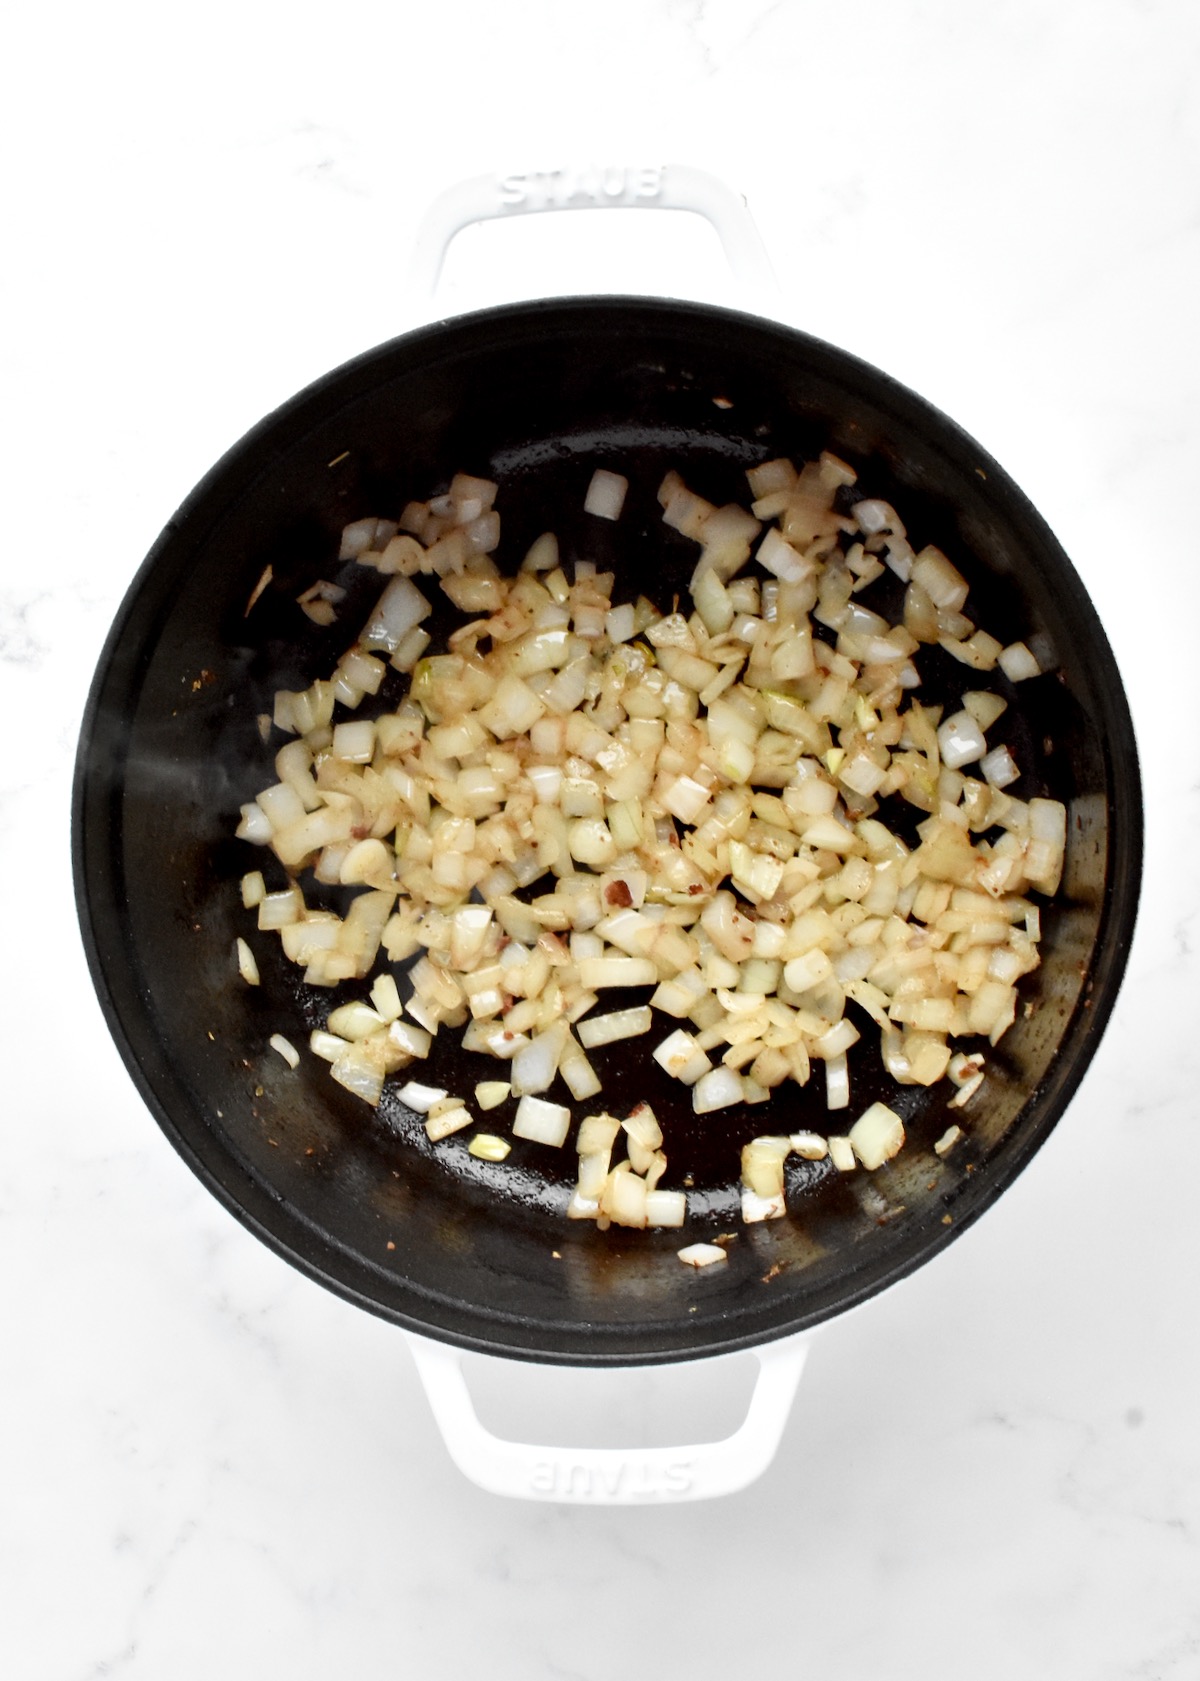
[
  {"x": 606, "y": 494},
  {"x": 544, "y": 1123},
  {"x": 286, "y": 1049}
]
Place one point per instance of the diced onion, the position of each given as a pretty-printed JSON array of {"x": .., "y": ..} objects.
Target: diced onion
[
  {"x": 536, "y": 1064},
  {"x": 253, "y": 889},
  {"x": 841, "y": 1154},
  {"x": 999, "y": 767},
  {"x": 286, "y": 1049},
  {"x": 755, "y": 1207},
  {"x": 360, "y": 1074},
  {"x": 718, "y": 1089},
  {"x": 328, "y": 1046},
  {"x": 419, "y": 1097},
  {"x": 1017, "y": 663},
  {"x": 544, "y": 1123},
  {"x": 247, "y": 966},
  {"x": 442, "y": 1121},
  {"x": 488, "y": 1147},
  {"x": 682, "y": 1058},
  {"x": 961, "y": 740},
  {"x": 877, "y": 1135},
  {"x": 606, "y": 494},
  {"x": 619, "y": 1024},
  {"x": 579, "y": 794},
  {"x": 837, "y": 1082},
  {"x": 665, "y": 1208}
]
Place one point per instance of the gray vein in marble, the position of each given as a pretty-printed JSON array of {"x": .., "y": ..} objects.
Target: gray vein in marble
[
  {"x": 18, "y": 644},
  {"x": 329, "y": 151},
  {"x": 1085, "y": 1483},
  {"x": 719, "y": 39},
  {"x": 317, "y": 153},
  {"x": 120, "y": 1660},
  {"x": 1178, "y": 1660}
]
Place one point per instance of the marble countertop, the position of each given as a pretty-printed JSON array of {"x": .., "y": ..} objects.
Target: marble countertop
[{"x": 212, "y": 1466}]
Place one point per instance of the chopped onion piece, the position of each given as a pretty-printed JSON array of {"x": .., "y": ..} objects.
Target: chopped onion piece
[
  {"x": 542, "y": 555},
  {"x": 623, "y": 1199},
  {"x": 355, "y": 1020},
  {"x": 665, "y": 1208},
  {"x": 1017, "y": 663},
  {"x": 606, "y": 494},
  {"x": 359, "y": 1073},
  {"x": 619, "y": 1024},
  {"x": 544, "y": 1123},
  {"x": 841, "y": 1154},
  {"x": 596, "y": 973},
  {"x": 966, "y": 1091},
  {"x": 319, "y": 601},
  {"x": 999, "y": 767},
  {"x": 874, "y": 516},
  {"x": 410, "y": 1040},
  {"x": 579, "y": 1077},
  {"x": 960, "y": 740},
  {"x": 490, "y": 1094},
  {"x": 942, "y": 582},
  {"x": 286, "y": 1049},
  {"x": 719, "y": 1089},
  {"x": 488, "y": 1147},
  {"x": 762, "y": 1166},
  {"x": 385, "y": 999},
  {"x": 877, "y": 1135},
  {"x": 399, "y": 609},
  {"x": 277, "y": 910},
  {"x": 253, "y": 889},
  {"x": 328, "y": 1046},
  {"x": 536, "y": 1064},
  {"x": 356, "y": 537},
  {"x": 247, "y": 966},
  {"x": 421, "y": 1098},
  {"x": 683, "y": 1059},
  {"x": 702, "y": 1255},
  {"x": 444, "y": 1120},
  {"x": 756, "y": 1208},
  {"x": 642, "y": 1124},
  {"x": 837, "y": 1081},
  {"x": 984, "y": 706}
]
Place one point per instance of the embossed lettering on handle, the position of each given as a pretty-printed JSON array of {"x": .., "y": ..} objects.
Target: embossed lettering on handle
[
  {"x": 618, "y": 1480},
  {"x": 564, "y": 189},
  {"x": 608, "y": 186}
]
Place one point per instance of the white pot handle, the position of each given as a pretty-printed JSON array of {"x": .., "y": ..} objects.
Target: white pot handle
[
  {"x": 672, "y": 186},
  {"x": 612, "y": 1476}
]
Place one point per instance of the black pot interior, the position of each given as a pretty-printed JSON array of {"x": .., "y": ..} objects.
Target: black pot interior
[{"x": 537, "y": 396}]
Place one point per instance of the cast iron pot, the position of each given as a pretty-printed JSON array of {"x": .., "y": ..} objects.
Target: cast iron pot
[{"x": 475, "y": 1254}]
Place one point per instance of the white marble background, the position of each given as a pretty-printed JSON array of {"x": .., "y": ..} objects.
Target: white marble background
[{"x": 210, "y": 1466}]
